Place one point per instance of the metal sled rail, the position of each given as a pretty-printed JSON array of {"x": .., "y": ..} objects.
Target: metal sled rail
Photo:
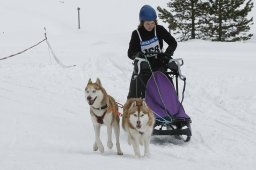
[{"x": 173, "y": 132}]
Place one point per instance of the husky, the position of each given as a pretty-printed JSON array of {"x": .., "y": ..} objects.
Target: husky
[
  {"x": 138, "y": 121},
  {"x": 103, "y": 111}
]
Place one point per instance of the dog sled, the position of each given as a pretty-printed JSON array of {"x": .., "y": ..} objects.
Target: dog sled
[{"x": 163, "y": 97}]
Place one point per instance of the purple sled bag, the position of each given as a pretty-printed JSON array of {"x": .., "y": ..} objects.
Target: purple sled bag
[{"x": 161, "y": 97}]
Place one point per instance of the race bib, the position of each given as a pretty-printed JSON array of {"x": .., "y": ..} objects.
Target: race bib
[{"x": 151, "y": 45}]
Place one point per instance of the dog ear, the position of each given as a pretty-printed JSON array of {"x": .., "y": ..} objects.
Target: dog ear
[
  {"x": 90, "y": 81},
  {"x": 144, "y": 103},
  {"x": 98, "y": 82},
  {"x": 132, "y": 105}
]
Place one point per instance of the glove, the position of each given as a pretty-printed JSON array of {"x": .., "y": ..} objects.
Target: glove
[
  {"x": 169, "y": 52},
  {"x": 163, "y": 58},
  {"x": 173, "y": 66}
]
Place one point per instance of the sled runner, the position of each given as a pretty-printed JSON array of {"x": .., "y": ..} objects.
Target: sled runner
[{"x": 162, "y": 96}]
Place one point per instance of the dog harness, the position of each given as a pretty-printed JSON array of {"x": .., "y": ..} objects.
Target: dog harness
[{"x": 100, "y": 118}]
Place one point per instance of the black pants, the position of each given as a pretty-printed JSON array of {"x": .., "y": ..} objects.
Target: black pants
[{"x": 138, "y": 85}]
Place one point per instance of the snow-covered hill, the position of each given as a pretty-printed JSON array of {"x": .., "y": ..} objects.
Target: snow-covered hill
[{"x": 44, "y": 119}]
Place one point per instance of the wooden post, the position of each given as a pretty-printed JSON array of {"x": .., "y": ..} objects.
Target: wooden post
[{"x": 78, "y": 10}]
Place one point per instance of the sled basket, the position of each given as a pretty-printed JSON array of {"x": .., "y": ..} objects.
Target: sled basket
[{"x": 170, "y": 115}]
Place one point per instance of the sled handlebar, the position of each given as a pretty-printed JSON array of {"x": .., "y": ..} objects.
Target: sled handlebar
[
  {"x": 179, "y": 60},
  {"x": 156, "y": 53}
]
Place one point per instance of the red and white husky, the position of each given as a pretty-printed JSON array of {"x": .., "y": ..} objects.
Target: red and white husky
[
  {"x": 138, "y": 121},
  {"x": 104, "y": 111}
]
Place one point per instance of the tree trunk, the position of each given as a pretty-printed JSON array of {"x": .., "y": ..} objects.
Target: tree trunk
[
  {"x": 220, "y": 20},
  {"x": 193, "y": 36}
]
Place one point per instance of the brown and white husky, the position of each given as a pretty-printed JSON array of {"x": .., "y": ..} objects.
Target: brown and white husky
[
  {"x": 104, "y": 111},
  {"x": 138, "y": 121}
]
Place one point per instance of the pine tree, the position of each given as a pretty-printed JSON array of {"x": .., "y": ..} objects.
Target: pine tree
[
  {"x": 183, "y": 18},
  {"x": 228, "y": 20}
]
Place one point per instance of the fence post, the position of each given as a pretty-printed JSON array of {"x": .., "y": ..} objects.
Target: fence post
[{"x": 78, "y": 10}]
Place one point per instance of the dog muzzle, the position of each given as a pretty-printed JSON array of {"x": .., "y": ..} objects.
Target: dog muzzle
[{"x": 90, "y": 100}]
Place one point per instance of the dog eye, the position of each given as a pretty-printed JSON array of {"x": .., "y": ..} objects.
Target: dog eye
[
  {"x": 87, "y": 91},
  {"x": 142, "y": 115},
  {"x": 94, "y": 91},
  {"x": 134, "y": 115}
]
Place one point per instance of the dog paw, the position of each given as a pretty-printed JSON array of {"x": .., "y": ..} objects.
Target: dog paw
[
  {"x": 101, "y": 148},
  {"x": 110, "y": 144},
  {"x": 95, "y": 147},
  {"x": 120, "y": 153}
]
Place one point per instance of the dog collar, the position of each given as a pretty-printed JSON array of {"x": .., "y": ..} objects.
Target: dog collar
[{"x": 100, "y": 108}]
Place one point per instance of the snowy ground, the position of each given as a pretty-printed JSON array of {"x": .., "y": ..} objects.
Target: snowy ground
[{"x": 44, "y": 119}]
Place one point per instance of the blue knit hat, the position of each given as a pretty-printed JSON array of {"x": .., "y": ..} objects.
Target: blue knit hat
[{"x": 147, "y": 13}]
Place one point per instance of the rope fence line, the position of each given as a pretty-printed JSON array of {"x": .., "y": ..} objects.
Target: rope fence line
[
  {"x": 49, "y": 48},
  {"x": 56, "y": 58},
  {"x": 23, "y": 50}
]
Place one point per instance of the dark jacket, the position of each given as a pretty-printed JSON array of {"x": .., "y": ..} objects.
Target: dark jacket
[
  {"x": 162, "y": 34},
  {"x": 137, "y": 85}
]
